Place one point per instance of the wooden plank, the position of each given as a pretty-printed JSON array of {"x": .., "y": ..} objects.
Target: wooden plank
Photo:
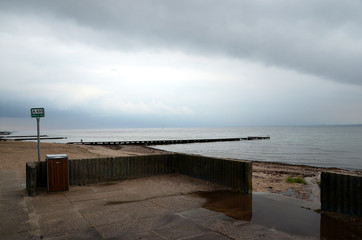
[{"x": 58, "y": 175}]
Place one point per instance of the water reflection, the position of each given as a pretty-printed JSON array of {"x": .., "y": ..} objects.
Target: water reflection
[
  {"x": 238, "y": 206},
  {"x": 280, "y": 213},
  {"x": 339, "y": 228}
]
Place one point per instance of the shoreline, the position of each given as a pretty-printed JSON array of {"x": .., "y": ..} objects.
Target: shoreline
[{"x": 267, "y": 176}]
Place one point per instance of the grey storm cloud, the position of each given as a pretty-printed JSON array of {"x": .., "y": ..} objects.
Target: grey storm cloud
[
  {"x": 322, "y": 38},
  {"x": 181, "y": 63}
]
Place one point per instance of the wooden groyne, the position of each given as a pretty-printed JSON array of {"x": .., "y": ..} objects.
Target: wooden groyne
[
  {"x": 30, "y": 138},
  {"x": 5, "y": 133},
  {"x": 168, "y": 142}
]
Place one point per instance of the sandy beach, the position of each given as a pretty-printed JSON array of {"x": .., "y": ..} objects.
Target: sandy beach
[{"x": 267, "y": 177}]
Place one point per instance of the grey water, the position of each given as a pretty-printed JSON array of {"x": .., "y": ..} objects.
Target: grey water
[{"x": 322, "y": 146}]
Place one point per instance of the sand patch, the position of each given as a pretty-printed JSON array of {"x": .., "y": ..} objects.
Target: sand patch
[{"x": 15, "y": 154}]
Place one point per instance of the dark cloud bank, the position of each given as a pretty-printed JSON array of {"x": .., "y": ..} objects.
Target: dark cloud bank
[
  {"x": 318, "y": 38},
  {"x": 322, "y": 38}
]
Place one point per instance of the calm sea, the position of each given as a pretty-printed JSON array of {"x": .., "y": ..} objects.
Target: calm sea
[{"x": 322, "y": 146}]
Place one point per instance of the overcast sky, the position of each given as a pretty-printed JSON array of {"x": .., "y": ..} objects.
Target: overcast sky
[{"x": 109, "y": 64}]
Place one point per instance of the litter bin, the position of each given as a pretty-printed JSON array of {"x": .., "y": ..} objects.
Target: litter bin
[{"x": 57, "y": 172}]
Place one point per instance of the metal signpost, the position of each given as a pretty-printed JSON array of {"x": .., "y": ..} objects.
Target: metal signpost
[{"x": 38, "y": 113}]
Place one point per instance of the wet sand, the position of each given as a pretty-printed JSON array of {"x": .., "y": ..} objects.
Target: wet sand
[
  {"x": 271, "y": 177},
  {"x": 267, "y": 177}
]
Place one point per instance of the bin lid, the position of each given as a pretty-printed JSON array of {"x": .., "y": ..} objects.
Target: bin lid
[{"x": 56, "y": 156}]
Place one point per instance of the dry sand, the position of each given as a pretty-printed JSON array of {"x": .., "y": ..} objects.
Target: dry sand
[
  {"x": 267, "y": 177},
  {"x": 15, "y": 154}
]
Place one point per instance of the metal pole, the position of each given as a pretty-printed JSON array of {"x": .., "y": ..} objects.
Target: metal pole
[{"x": 38, "y": 130}]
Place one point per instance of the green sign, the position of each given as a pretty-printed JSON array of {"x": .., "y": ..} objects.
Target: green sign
[{"x": 37, "y": 112}]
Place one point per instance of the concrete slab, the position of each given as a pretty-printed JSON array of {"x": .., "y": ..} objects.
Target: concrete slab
[
  {"x": 209, "y": 236},
  {"x": 118, "y": 229},
  {"x": 13, "y": 211},
  {"x": 250, "y": 231},
  {"x": 17, "y": 235},
  {"x": 107, "y": 187},
  {"x": 198, "y": 213},
  {"x": 60, "y": 226},
  {"x": 9, "y": 204},
  {"x": 47, "y": 199},
  {"x": 180, "y": 203},
  {"x": 130, "y": 227},
  {"x": 96, "y": 192},
  {"x": 54, "y": 216},
  {"x": 146, "y": 235},
  {"x": 140, "y": 210},
  {"x": 163, "y": 207},
  {"x": 80, "y": 234},
  {"x": 13, "y": 221},
  {"x": 79, "y": 190},
  {"x": 122, "y": 197},
  {"x": 178, "y": 227},
  {"x": 102, "y": 216},
  {"x": 48, "y": 209},
  {"x": 93, "y": 204}
]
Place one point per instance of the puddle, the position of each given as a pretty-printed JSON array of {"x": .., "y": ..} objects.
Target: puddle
[
  {"x": 238, "y": 206},
  {"x": 283, "y": 214},
  {"x": 339, "y": 227}
]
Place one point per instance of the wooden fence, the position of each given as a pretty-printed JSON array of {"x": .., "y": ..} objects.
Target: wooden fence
[
  {"x": 341, "y": 193},
  {"x": 232, "y": 173}
]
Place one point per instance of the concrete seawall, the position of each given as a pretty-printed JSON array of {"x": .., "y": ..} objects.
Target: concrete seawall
[{"x": 231, "y": 173}]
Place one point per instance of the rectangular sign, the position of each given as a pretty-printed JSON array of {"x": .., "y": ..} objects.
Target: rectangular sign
[{"x": 37, "y": 112}]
